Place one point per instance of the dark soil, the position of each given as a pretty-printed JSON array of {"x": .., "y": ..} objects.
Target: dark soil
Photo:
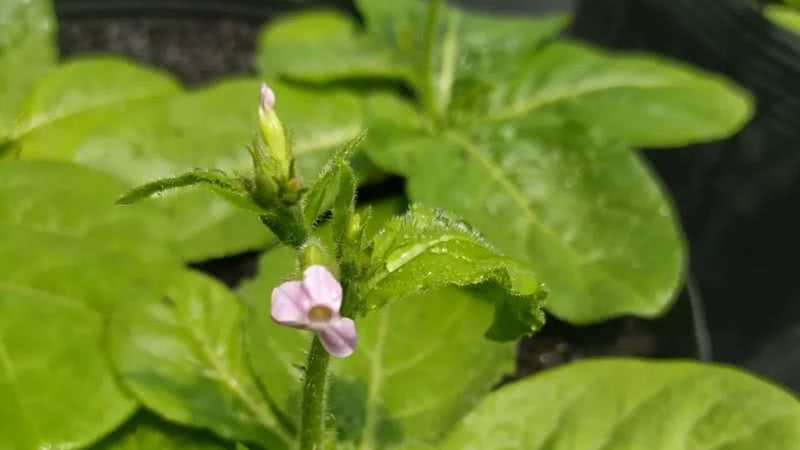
[{"x": 738, "y": 200}]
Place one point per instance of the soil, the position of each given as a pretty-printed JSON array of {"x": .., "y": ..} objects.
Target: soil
[{"x": 732, "y": 196}]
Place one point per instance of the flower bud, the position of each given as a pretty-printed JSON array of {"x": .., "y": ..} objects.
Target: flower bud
[
  {"x": 354, "y": 226},
  {"x": 293, "y": 191},
  {"x": 272, "y": 133},
  {"x": 314, "y": 253}
]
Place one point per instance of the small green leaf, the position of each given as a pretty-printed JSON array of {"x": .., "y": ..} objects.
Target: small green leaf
[
  {"x": 78, "y": 96},
  {"x": 322, "y": 193},
  {"x": 182, "y": 355},
  {"x": 388, "y": 391},
  {"x": 27, "y": 50},
  {"x": 632, "y": 405},
  {"x": 644, "y": 101},
  {"x": 146, "y": 432},
  {"x": 57, "y": 388},
  {"x": 230, "y": 188},
  {"x": 427, "y": 249},
  {"x": 788, "y": 17}
]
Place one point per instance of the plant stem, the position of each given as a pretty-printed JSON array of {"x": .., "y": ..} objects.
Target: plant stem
[
  {"x": 312, "y": 421},
  {"x": 287, "y": 224},
  {"x": 428, "y": 78}
]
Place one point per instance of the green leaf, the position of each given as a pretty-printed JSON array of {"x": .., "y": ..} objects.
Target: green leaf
[
  {"x": 321, "y": 194},
  {"x": 788, "y": 17},
  {"x": 427, "y": 249},
  {"x": 585, "y": 213},
  {"x": 79, "y": 96},
  {"x": 27, "y": 51},
  {"x": 339, "y": 50},
  {"x": 57, "y": 389},
  {"x": 388, "y": 391},
  {"x": 642, "y": 100},
  {"x": 627, "y": 404},
  {"x": 80, "y": 206},
  {"x": 419, "y": 366},
  {"x": 227, "y": 187},
  {"x": 146, "y": 432},
  {"x": 182, "y": 356},
  {"x": 392, "y": 46},
  {"x": 276, "y": 353}
]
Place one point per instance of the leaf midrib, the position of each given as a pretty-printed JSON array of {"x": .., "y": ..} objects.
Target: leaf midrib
[
  {"x": 535, "y": 102},
  {"x": 7, "y": 367},
  {"x": 5, "y": 360},
  {"x": 518, "y": 197},
  {"x": 264, "y": 418},
  {"x": 48, "y": 120},
  {"x": 375, "y": 383}
]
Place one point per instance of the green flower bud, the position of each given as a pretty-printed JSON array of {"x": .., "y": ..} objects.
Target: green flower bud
[
  {"x": 354, "y": 226},
  {"x": 293, "y": 191},
  {"x": 272, "y": 133},
  {"x": 314, "y": 254}
]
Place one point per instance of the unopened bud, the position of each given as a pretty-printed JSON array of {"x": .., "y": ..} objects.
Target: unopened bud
[
  {"x": 314, "y": 253},
  {"x": 272, "y": 133},
  {"x": 292, "y": 191},
  {"x": 354, "y": 226},
  {"x": 267, "y": 98}
]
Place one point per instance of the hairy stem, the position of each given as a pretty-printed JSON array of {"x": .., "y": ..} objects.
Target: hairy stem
[
  {"x": 312, "y": 421},
  {"x": 288, "y": 225}
]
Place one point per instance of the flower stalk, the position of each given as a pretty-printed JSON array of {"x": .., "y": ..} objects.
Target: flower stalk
[{"x": 315, "y": 391}]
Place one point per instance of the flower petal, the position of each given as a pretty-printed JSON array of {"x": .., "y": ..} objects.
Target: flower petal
[
  {"x": 322, "y": 287},
  {"x": 339, "y": 337},
  {"x": 290, "y": 304}
]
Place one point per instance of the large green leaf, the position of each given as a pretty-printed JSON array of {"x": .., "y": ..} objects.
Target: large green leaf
[
  {"x": 80, "y": 96},
  {"x": 182, "y": 355},
  {"x": 210, "y": 128},
  {"x": 27, "y": 50},
  {"x": 391, "y": 45},
  {"x": 80, "y": 206},
  {"x": 427, "y": 249},
  {"x": 339, "y": 50},
  {"x": 420, "y": 364},
  {"x": 585, "y": 213},
  {"x": 642, "y": 100},
  {"x": 57, "y": 389},
  {"x": 146, "y": 432},
  {"x": 276, "y": 353},
  {"x": 633, "y": 405}
]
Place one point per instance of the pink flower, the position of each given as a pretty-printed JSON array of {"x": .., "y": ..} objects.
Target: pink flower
[{"x": 313, "y": 304}]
